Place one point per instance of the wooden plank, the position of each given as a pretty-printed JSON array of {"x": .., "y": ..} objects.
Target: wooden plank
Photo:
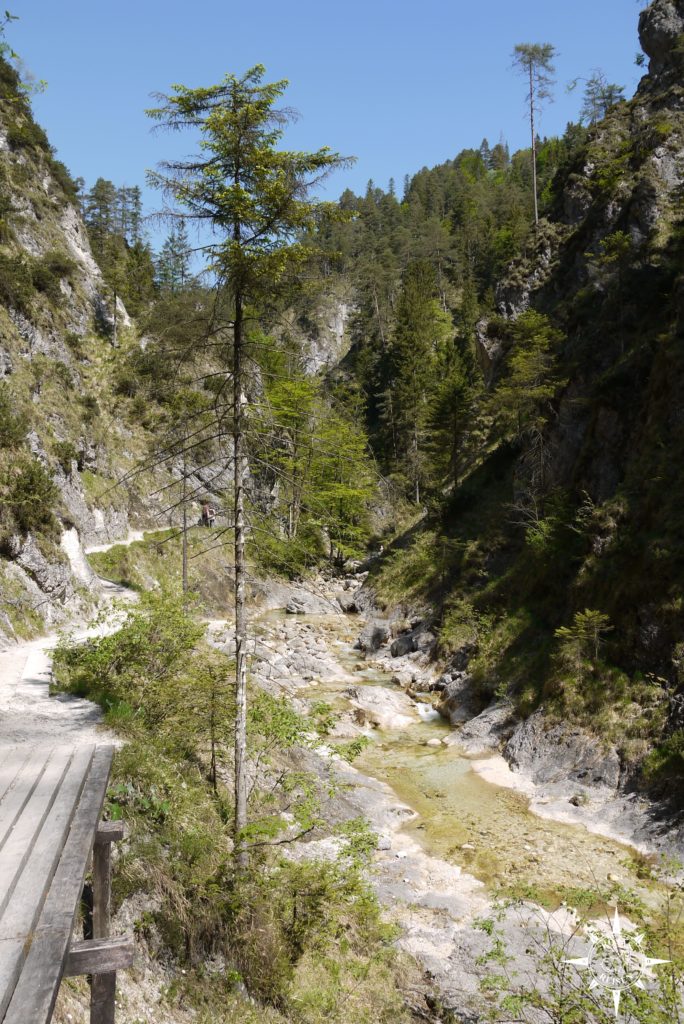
[
  {"x": 100, "y": 956},
  {"x": 109, "y": 832},
  {"x": 18, "y": 791},
  {"x": 36, "y": 991},
  {"x": 22, "y": 911},
  {"x": 36, "y": 797},
  {"x": 11, "y": 760},
  {"x": 103, "y": 999},
  {"x": 103, "y": 986},
  {"x": 102, "y": 889}
]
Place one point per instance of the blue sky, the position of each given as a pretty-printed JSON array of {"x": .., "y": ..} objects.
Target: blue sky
[{"x": 399, "y": 85}]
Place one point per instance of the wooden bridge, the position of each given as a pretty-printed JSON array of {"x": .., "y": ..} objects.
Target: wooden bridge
[{"x": 50, "y": 805}]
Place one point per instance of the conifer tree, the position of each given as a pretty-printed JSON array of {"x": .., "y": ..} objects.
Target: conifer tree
[
  {"x": 255, "y": 197},
  {"x": 599, "y": 96},
  {"x": 422, "y": 328},
  {"x": 535, "y": 62}
]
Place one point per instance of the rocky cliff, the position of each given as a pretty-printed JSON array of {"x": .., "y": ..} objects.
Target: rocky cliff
[{"x": 65, "y": 434}]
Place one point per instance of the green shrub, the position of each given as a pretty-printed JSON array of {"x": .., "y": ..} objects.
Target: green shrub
[
  {"x": 13, "y": 425},
  {"x": 24, "y": 133},
  {"x": 48, "y": 371},
  {"x": 62, "y": 175},
  {"x": 49, "y": 271},
  {"x": 666, "y": 762},
  {"x": 66, "y": 453},
  {"x": 28, "y": 494},
  {"x": 16, "y": 282}
]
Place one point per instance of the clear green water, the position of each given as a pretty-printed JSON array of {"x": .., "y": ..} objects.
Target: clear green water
[{"x": 507, "y": 846}]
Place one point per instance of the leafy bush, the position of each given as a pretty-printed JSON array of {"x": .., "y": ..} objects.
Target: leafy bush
[
  {"x": 24, "y": 133},
  {"x": 28, "y": 494}
]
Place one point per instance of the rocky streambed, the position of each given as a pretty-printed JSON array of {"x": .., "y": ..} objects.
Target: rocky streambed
[{"x": 456, "y": 827}]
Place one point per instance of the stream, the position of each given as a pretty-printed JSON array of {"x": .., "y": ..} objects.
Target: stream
[{"x": 450, "y": 841}]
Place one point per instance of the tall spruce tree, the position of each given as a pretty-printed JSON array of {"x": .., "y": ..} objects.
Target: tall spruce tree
[
  {"x": 256, "y": 199},
  {"x": 421, "y": 331},
  {"x": 535, "y": 62}
]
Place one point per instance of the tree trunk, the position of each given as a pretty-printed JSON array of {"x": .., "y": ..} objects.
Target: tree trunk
[
  {"x": 185, "y": 522},
  {"x": 240, "y": 609},
  {"x": 534, "y": 149}
]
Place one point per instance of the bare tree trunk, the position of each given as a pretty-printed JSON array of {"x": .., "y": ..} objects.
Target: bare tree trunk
[
  {"x": 185, "y": 522},
  {"x": 240, "y": 608},
  {"x": 534, "y": 149}
]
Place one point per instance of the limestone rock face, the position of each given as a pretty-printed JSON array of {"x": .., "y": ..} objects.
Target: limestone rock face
[
  {"x": 660, "y": 28},
  {"x": 53, "y": 578},
  {"x": 562, "y": 753}
]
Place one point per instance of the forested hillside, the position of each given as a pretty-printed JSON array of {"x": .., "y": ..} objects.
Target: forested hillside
[{"x": 522, "y": 386}]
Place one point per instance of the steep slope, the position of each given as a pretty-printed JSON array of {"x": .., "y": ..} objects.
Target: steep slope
[
  {"x": 64, "y": 432},
  {"x": 568, "y": 510}
]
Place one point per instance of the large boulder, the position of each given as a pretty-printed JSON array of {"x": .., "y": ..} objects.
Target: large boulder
[
  {"x": 347, "y": 601},
  {"x": 459, "y": 701},
  {"x": 373, "y": 636},
  {"x": 53, "y": 578},
  {"x": 403, "y": 645},
  {"x": 488, "y": 730},
  {"x": 382, "y": 708},
  {"x": 661, "y": 26},
  {"x": 555, "y": 752}
]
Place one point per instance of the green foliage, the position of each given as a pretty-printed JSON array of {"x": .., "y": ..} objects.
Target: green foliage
[
  {"x": 49, "y": 271},
  {"x": 599, "y": 96},
  {"x": 67, "y": 454},
  {"x": 353, "y": 749},
  {"x": 581, "y": 642},
  {"x": 528, "y": 381},
  {"x": 261, "y": 189},
  {"x": 315, "y": 460},
  {"x": 13, "y": 423},
  {"x": 137, "y": 664},
  {"x": 665, "y": 764},
  {"x": 114, "y": 218},
  {"x": 27, "y": 498},
  {"x": 306, "y": 939},
  {"x": 16, "y": 281}
]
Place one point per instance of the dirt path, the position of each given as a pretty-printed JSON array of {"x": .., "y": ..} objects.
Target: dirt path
[{"x": 28, "y": 714}]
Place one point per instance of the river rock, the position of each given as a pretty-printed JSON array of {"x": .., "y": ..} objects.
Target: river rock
[
  {"x": 488, "y": 730},
  {"x": 385, "y": 709},
  {"x": 373, "y": 636},
  {"x": 403, "y": 644},
  {"x": 560, "y": 753},
  {"x": 459, "y": 701},
  {"x": 347, "y": 601}
]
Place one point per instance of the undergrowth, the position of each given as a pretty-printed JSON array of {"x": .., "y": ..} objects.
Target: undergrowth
[{"x": 305, "y": 938}]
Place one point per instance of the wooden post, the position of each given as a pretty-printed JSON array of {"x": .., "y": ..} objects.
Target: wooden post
[{"x": 103, "y": 986}]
